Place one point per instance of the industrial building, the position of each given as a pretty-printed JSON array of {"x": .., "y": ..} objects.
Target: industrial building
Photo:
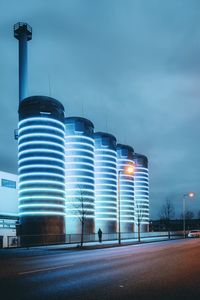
[
  {"x": 141, "y": 192},
  {"x": 68, "y": 174},
  {"x": 41, "y": 168},
  {"x": 126, "y": 187},
  {"x": 105, "y": 182},
  {"x": 79, "y": 151}
]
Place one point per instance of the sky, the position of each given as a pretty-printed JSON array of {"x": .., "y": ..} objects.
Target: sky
[{"x": 130, "y": 66}]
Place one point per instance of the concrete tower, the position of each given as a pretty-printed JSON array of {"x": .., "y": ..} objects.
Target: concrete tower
[
  {"x": 23, "y": 33},
  {"x": 141, "y": 192},
  {"x": 105, "y": 182}
]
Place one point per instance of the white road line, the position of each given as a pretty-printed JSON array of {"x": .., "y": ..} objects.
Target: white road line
[{"x": 43, "y": 270}]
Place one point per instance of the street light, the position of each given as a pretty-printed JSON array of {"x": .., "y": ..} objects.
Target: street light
[
  {"x": 129, "y": 170},
  {"x": 190, "y": 195}
]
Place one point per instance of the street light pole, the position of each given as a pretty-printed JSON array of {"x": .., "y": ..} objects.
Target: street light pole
[
  {"x": 190, "y": 195},
  {"x": 119, "y": 216}
]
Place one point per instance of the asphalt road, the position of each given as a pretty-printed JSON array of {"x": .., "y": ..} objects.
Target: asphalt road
[{"x": 163, "y": 270}]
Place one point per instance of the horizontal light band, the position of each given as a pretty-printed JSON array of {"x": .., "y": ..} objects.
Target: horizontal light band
[
  {"x": 141, "y": 196},
  {"x": 39, "y": 135},
  {"x": 68, "y": 203},
  {"x": 105, "y": 167},
  {"x": 141, "y": 168},
  {"x": 42, "y": 205},
  {"x": 41, "y": 213},
  {"x": 78, "y": 183},
  {"x": 106, "y": 155},
  {"x": 80, "y": 216},
  {"x": 104, "y": 195},
  {"x": 41, "y": 166},
  {"x": 105, "y": 150},
  {"x": 41, "y": 142},
  {"x": 79, "y": 176},
  {"x": 127, "y": 221},
  {"x": 41, "y": 174},
  {"x": 41, "y": 189},
  {"x": 41, "y": 127},
  {"x": 80, "y": 137},
  {"x": 31, "y": 198},
  {"x": 79, "y": 170},
  {"x": 104, "y": 161},
  {"x": 80, "y": 209},
  {"x": 41, "y": 119},
  {"x": 80, "y": 196},
  {"x": 40, "y": 158},
  {"x": 41, "y": 150},
  {"x": 41, "y": 181},
  {"x": 106, "y": 219},
  {"x": 79, "y": 189},
  {"x": 106, "y": 213},
  {"x": 125, "y": 161}
]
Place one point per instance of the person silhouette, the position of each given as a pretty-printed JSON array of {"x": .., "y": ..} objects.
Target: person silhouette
[{"x": 100, "y": 235}]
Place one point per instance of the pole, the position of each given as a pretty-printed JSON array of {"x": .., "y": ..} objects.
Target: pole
[
  {"x": 184, "y": 216},
  {"x": 119, "y": 217}
]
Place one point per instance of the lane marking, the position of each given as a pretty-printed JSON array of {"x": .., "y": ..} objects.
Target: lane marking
[{"x": 45, "y": 269}]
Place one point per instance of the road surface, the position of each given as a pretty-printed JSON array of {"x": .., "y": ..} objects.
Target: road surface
[{"x": 162, "y": 270}]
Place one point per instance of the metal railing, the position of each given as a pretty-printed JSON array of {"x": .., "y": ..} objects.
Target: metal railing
[{"x": 44, "y": 240}]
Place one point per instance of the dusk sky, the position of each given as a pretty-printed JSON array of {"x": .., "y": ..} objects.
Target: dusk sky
[{"x": 131, "y": 67}]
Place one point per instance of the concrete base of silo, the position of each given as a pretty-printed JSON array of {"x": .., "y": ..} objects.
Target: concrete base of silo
[
  {"x": 106, "y": 226},
  {"x": 41, "y": 230},
  {"x": 73, "y": 226}
]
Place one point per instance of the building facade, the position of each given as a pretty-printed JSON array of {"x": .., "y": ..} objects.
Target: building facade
[
  {"x": 105, "y": 182},
  {"x": 41, "y": 166},
  {"x": 126, "y": 188},
  {"x": 141, "y": 192},
  {"x": 79, "y": 155}
]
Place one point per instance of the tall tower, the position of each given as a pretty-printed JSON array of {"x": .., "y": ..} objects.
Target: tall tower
[
  {"x": 41, "y": 167},
  {"x": 124, "y": 160},
  {"x": 141, "y": 192},
  {"x": 23, "y": 33},
  {"x": 79, "y": 147},
  {"x": 105, "y": 182}
]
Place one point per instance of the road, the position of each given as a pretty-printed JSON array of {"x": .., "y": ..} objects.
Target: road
[{"x": 162, "y": 270}]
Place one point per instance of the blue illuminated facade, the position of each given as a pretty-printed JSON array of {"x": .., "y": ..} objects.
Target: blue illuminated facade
[
  {"x": 125, "y": 160},
  {"x": 141, "y": 192},
  {"x": 105, "y": 182},
  {"x": 41, "y": 166},
  {"x": 79, "y": 147}
]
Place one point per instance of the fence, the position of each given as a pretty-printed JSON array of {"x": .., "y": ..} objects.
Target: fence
[{"x": 43, "y": 240}]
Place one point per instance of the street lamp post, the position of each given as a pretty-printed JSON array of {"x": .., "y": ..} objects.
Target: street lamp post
[
  {"x": 128, "y": 170},
  {"x": 119, "y": 216},
  {"x": 190, "y": 195}
]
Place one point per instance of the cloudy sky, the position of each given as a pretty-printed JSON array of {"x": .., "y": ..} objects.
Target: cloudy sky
[{"x": 131, "y": 66}]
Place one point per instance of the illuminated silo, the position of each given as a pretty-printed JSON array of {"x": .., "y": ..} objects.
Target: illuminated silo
[
  {"x": 41, "y": 169},
  {"x": 79, "y": 146},
  {"x": 105, "y": 182},
  {"x": 141, "y": 192},
  {"x": 125, "y": 160}
]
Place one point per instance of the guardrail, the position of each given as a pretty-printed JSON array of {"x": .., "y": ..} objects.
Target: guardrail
[{"x": 44, "y": 240}]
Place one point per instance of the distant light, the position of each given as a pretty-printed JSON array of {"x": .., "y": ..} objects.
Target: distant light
[{"x": 191, "y": 194}]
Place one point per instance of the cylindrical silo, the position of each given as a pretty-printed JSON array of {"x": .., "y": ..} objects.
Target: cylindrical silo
[
  {"x": 141, "y": 192},
  {"x": 126, "y": 187},
  {"x": 79, "y": 154},
  {"x": 41, "y": 170},
  {"x": 105, "y": 182}
]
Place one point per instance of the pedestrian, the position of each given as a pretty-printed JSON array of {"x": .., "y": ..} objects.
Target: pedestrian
[{"x": 100, "y": 235}]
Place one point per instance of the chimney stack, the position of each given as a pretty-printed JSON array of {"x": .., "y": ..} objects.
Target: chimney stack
[{"x": 23, "y": 33}]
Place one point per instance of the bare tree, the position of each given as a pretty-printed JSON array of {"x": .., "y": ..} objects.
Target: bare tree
[
  {"x": 167, "y": 213},
  {"x": 81, "y": 211},
  {"x": 138, "y": 219}
]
